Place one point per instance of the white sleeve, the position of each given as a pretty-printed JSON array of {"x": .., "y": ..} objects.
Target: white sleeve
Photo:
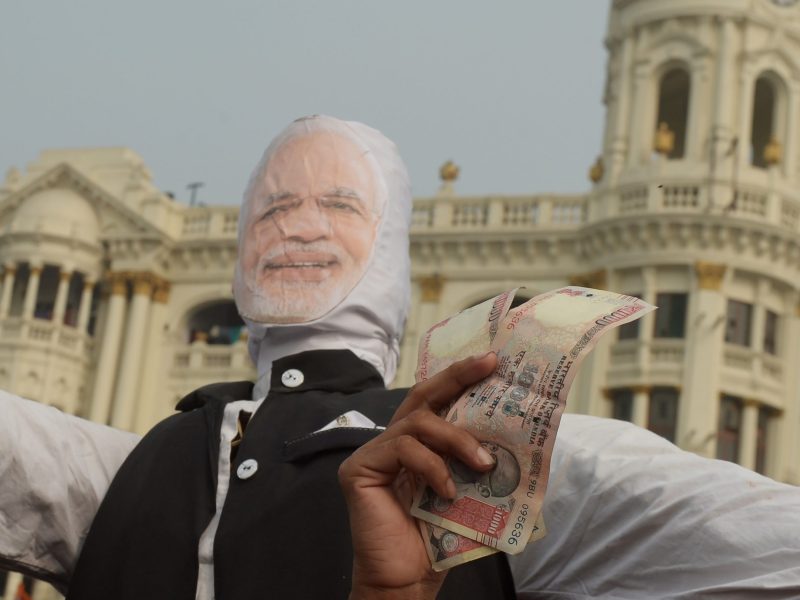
[
  {"x": 54, "y": 471},
  {"x": 630, "y": 515}
]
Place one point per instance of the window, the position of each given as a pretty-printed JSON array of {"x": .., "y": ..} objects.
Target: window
[
  {"x": 670, "y": 319},
  {"x": 730, "y": 419},
  {"x": 217, "y": 323},
  {"x": 771, "y": 333},
  {"x": 622, "y": 404},
  {"x": 673, "y": 107},
  {"x": 763, "y": 123},
  {"x": 46, "y": 296},
  {"x": 663, "y": 414},
  {"x": 737, "y": 328},
  {"x": 762, "y": 432},
  {"x": 74, "y": 295},
  {"x": 630, "y": 331}
]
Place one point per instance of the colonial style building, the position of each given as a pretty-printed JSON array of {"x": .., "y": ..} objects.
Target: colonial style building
[{"x": 115, "y": 299}]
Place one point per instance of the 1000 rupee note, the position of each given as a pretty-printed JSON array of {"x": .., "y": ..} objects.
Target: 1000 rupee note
[
  {"x": 468, "y": 333},
  {"x": 515, "y": 414},
  {"x": 465, "y": 334}
]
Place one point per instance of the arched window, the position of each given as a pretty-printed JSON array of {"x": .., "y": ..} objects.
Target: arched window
[
  {"x": 216, "y": 323},
  {"x": 765, "y": 108},
  {"x": 673, "y": 110}
]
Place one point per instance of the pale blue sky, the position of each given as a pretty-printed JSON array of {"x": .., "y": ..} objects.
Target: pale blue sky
[{"x": 511, "y": 91}]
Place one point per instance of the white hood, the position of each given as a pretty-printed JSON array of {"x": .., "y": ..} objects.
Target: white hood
[{"x": 369, "y": 321}]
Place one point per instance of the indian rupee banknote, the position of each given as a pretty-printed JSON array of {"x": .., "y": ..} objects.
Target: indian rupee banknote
[{"x": 515, "y": 414}]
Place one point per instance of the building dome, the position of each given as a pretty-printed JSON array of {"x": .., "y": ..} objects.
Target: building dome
[{"x": 60, "y": 212}]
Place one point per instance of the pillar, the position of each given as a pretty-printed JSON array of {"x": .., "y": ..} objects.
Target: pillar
[
  {"x": 31, "y": 292},
  {"x": 647, "y": 323},
  {"x": 783, "y": 464},
  {"x": 790, "y": 142},
  {"x": 9, "y": 273},
  {"x": 699, "y": 405},
  {"x": 723, "y": 100},
  {"x": 641, "y": 128},
  {"x": 109, "y": 349},
  {"x": 85, "y": 309},
  {"x": 586, "y": 395},
  {"x": 747, "y": 434},
  {"x": 430, "y": 288},
  {"x": 61, "y": 296},
  {"x": 641, "y": 405},
  {"x": 149, "y": 394},
  {"x": 619, "y": 136},
  {"x": 127, "y": 388},
  {"x": 759, "y": 325}
]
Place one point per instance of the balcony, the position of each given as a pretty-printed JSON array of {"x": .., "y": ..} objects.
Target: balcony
[
  {"x": 200, "y": 363},
  {"x": 45, "y": 335},
  {"x": 499, "y": 214}
]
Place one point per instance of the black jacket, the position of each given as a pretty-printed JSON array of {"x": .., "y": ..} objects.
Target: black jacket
[{"x": 284, "y": 532}]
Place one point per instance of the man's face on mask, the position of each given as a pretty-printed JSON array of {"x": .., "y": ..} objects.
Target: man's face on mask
[{"x": 310, "y": 228}]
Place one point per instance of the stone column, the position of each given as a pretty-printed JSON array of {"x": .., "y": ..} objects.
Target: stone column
[
  {"x": 723, "y": 127},
  {"x": 31, "y": 292},
  {"x": 9, "y": 273},
  {"x": 61, "y": 296},
  {"x": 646, "y": 323},
  {"x": 785, "y": 447},
  {"x": 699, "y": 406},
  {"x": 127, "y": 388},
  {"x": 759, "y": 325},
  {"x": 109, "y": 349},
  {"x": 86, "y": 306},
  {"x": 430, "y": 289},
  {"x": 586, "y": 395},
  {"x": 620, "y": 135},
  {"x": 641, "y": 128},
  {"x": 149, "y": 394},
  {"x": 748, "y": 434},
  {"x": 789, "y": 166},
  {"x": 641, "y": 405}
]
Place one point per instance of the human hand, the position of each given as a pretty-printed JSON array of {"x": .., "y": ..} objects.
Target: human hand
[{"x": 390, "y": 560}]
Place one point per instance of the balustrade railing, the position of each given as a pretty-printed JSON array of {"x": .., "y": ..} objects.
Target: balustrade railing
[{"x": 44, "y": 334}]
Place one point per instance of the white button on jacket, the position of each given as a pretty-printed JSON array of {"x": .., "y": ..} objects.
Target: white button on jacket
[
  {"x": 292, "y": 378},
  {"x": 247, "y": 469}
]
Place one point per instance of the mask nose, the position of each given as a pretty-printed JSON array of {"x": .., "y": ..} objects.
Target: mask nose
[{"x": 305, "y": 222}]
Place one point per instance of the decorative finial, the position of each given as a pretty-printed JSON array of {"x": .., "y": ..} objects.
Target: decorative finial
[
  {"x": 665, "y": 139},
  {"x": 597, "y": 170},
  {"x": 448, "y": 172},
  {"x": 773, "y": 152}
]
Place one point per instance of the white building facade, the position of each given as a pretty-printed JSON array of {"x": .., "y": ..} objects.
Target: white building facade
[{"x": 115, "y": 299}]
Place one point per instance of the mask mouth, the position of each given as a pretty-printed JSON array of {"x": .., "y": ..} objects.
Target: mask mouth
[{"x": 300, "y": 261}]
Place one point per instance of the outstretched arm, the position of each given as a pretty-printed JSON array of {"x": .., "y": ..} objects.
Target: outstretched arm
[
  {"x": 629, "y": 515},
  {"x": 54, "y": 471}
]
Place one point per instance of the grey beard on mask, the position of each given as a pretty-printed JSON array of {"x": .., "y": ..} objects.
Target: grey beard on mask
[{"x": 295, "y": 301}]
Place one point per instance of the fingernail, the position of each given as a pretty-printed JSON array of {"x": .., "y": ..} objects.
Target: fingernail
[
  {"x": 486, "y": 459},
  {"x": 451, "y": 489}
]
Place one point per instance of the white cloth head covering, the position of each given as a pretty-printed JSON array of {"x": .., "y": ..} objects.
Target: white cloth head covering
[{"x": 370, "y": 320}]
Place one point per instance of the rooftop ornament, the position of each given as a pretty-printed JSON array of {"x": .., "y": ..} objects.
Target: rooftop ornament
[
  {"x": 665, "y": 139},
  {"x": 448, "y": 173},
  {"x": 773, "y": 152},
  {"x": 597, "y": 170}
]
